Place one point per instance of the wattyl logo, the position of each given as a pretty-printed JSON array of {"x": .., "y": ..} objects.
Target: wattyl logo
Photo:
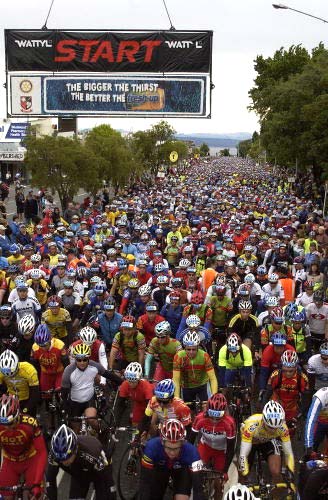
[{"x": 25, "y": 44}]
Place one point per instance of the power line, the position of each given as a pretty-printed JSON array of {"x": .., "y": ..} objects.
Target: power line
[
  {"x": 172, "y": 28},
  {"x": 44, "y": 27}
]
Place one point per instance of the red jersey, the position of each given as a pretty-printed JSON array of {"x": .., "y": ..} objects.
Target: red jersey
[
  {"x": 215, "y": 433},
  {"x": 287, "y": 391},
  {"x": 147, "y": 328},
  {"x": 175, "y": 409},
  {"x": 270, "y": 358},
  {"x": 50, "y": 360},
  {"x": 139, "y": 396},
  {"x": 17, "y": 441}
]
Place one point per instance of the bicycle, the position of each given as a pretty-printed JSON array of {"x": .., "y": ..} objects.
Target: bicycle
[
  {"x": 54, "y": 411},
  {"x": 21, "y": 492},
  {"x": 129, "y": 470},
  {"x": 213, "y": 483},
  {"x": 239, "y": 403},
  {"x": 196, "y": 406}
]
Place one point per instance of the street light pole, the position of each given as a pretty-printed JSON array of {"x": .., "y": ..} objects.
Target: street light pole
[{"x": 285, "y": 7}]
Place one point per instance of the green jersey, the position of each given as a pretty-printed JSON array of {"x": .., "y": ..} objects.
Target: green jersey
[
  {"x": 165, "y": 352},
  {"x": 193, "y": 372}
]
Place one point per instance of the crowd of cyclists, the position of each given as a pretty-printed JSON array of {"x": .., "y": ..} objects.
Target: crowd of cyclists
[{"x": 199, "y": 301}]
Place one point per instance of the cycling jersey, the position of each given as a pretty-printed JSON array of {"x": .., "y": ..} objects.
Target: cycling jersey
[
  {"x": 130, "y": 347},
  {"x": 17, "y": 441},
  {"x": 139, "y": 395},
  {"x": 193, "y": 372},
  {"x": 155, "y": 456},
  {"x": 175, "y": 409},
  {"x": 29, "y": 306},
  {"x": 287, "y": 391},
  {"x": 318, "y": 412},
  {"x": 320, "y": 370},
  {"x": 57, "y": 323},
  {"x": 164, "y": 352},
  {"x": 215, "y": 434},
  {"x": 147, "y": 327},
  {"x": 317, "y": 318},
  {"x": 230, "y": 362},
  {"x": 20, "y": 383},
  {"x": 268, "y": 330},
  {"x": 253, "y": 431},
  {"x": 50, "y": 359},
  {"x": 41, "y": 292},
  {"x": 245, "y": 329},
  {"x": 270, "y": 360},
  {"x": 221, "y": 309}
]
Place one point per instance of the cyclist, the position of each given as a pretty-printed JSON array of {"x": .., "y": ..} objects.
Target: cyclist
[
  {"x": 290, "y": 387},
  {"x": 146, "y": 323},
  {"x": 71, "y": 301},
  {"x": 164, "y": 405},
  {"x": 83, "y": 458},
  {"x": 271, "y": 357},
  {"x": 193, "y": 369},
  {"x": 23, "y": 448},
  {"x": 135, "y": 389},
  {"x": 9, "y": 337},
  {"x": 245, "y": 325},
  {"x": 128, "y": 345},
  {"x": 173, "y": 311},
  {"x": 317, "y": 369},
  {"x": 162, "y": 348},
  {"x": 88, "y": 336},
  {"x": 198, "y": 308},
  {"x": 58, "y": 320},
  {"x": 78, "y": 383},
  {"x": 239, "y": 492},
  {"x": 264, "y": 317},
  {"x": 24, "y": 304},
  {"x": 260, "y": 433},
  {"x": 109, "y": 322},
  {"x": 170, "y": 455},
  {"x": 235, "y": 357},
  {"x": 276, "y": 325},
  {"x": 21, "y": 379},
  {"x": 26, "y": 327},
  {"x": 301, "y": 336},
  {"x": 317, "y": 316},
  {"x": 316, "y": 428}
]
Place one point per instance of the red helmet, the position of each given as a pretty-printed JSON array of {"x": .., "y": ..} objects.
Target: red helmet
[
  {"x": 216, "y": 405},
  {"x": 197, "y": 298},
  {"x": 173, "y": 430},
  {"x": 54, "y": 301},
  {"x": 9, "y": 409},
  {"x": 128, "y": 322},
  {"x": 277, "y": 314}
]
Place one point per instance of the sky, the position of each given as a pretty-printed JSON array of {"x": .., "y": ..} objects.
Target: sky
[{"x": 242, "y": 30}]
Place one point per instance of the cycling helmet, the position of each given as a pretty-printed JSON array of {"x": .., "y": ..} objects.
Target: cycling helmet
[
  {"x": 191, "y": 339},
  {"x": 21, "y": 284},
  {"x": 197, "y": 298},
  {"x": 162, "y": 280},
  {"x": 289, "y": 311},
  {"x": 95, "y": 279},
  {"x": 289, "y": 359},
  {"x": 122, "y": 264},
  {"x": 277, "y": 314},
  {"x": 271, "y": 301},
  {"x": 14, "y": 248},
  {"x": 173, "y": 430},
  {"x": 239, "y": 492},
  {"x": 220, "y": 289},
  {"x": 299, "y": 316},
  {"x": 63, "y": 443},
  {"x": 133, "y": 283},
  {"x": 9, "y": 409},
  {"x": 233, "y": 342},
  {"x": 273, "y": 414},
  {"x": 36, "y": 274},
  {"x": 278, "y": 338},
  {"x": 54, "y": 301},
  {"x": 109, "y": 304},
  {"x": 100, "y": 288},
  {"x": 323, "y": 349},
  {"x": 13, "y": 269},
  {"x": 298, "y": 260},
  {"x": 88, "y": 335},
  {"x": 318, "y": 296},
  {"x": 111, "y": 252},
  {"x": 144, "y": 290},
  {"x": 308, "y": 284},
  {"x": 81, "y": 271},
  {"x": 261, "y": 270},
  {"x": 245, "y": 305},
  {"x": 128, "y": 322},
  {"x": 193, "y": 321},
  {"x": 249, "y": 279},
  {"x": 165, "y": 389},
  {"x": 159, "y": 267},
  {"x": 273, "y": 278},
  {"x": 81, "y": 351},
  {"x": 151, "y": 306},
  {"x": 184, "y": 263},
  {"x": 68, "y": 284},
  {"x": 229, "y": 263},
  {"x": 152, "y": 243},
  {"x": 241, "y": 263},
  {"x": 133, "y": 372},
  {"x": 35, "y": 257},
  {"x": 162, "y": 329},
  {"x": 177, "y": 282},
  {"x": 9, "y": 363},
  {"x": 71, "y": 273},
  {"x": 5, "y": 311},
  {"x": 216, "y": 405},
  {"x": 248, "y": 248},
  {"x": 42, "y": 335},
  {"x": 243, "y": 290},
  {"x": 26, "y": 324},
  {"x": 220, "y": 280}
]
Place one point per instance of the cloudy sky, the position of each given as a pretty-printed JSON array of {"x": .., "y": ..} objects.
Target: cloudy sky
[{"x": 242, "y": 30}]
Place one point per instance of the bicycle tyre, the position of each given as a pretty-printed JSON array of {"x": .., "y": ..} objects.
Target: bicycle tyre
[{"x": 128, "y": 486}]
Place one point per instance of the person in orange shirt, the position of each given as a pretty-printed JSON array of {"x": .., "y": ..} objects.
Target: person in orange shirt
[{"x": 208, "y": 276}]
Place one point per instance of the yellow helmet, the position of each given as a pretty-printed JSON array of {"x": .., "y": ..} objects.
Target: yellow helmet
[{"x": 82, "y": 351}]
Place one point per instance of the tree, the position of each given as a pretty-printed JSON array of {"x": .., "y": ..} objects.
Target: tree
[
  {"x": 204, "y": 150},
  {"x": 165, "y": 149},
  {"x": 244, "y": 147},
  {"x": 63, "y": 165},
  {"x": 225, "y": 152}
]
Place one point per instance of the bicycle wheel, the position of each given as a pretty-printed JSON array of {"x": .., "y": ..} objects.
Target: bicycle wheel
[
  {"x": 128, "y": 479},
  {"x": 106, "y": 436}
]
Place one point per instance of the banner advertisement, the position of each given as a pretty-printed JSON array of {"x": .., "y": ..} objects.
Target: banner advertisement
[
  {"x": 12, "y": 156},
  {"x": 121, "y": 96},
  {"x": 13, "y": 132},
  {"x": 108, "y": 51}
]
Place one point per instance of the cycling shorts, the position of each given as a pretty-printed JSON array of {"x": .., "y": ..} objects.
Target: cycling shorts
[
  {"x": 216, "y": 457},
  {"x": 76, "y": 409},
  {"x": 265, "y": 449},
  {"x": 11, "y": 472},
  {"x": 50, "y": 381}
]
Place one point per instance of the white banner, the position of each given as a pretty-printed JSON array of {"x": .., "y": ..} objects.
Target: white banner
[{"x": 12, "y": 156}]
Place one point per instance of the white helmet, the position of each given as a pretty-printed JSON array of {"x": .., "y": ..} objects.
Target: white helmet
[
  {"x": 239, "y": 492},
  {"x": 191, "y": 339},
  {"x": 273, "y": 414},
  {"x": 162, "y": 329},
  {"x": 273, "y": 278},
  {"x": 193, "y": 321},
  {"x": 9, "y": 363},
  {"x": 233, "y": 342},
  {"x": 184, "y": 263},
  {"x": 36, "y": 257},
  {"x": 144, "y": 290},
  {"x": 249, "y": 279},
  {"x": 271, "y": 301},
  {"x": 36, "y": 274},
  {"x": 133, "y": 372},
  {"x": 26, "y": 324},
  {"x": 111, "y": 252},
  {"x": 88, "y": 335},
  {"x": 159, "y": 267}
]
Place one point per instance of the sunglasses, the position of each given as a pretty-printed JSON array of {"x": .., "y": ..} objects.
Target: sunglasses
[{"x": 82, "y": 360}]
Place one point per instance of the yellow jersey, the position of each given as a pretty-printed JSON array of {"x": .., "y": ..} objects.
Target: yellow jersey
[
  {"x": 57, "y": 323},
  {"x": 20, "y": 383}
]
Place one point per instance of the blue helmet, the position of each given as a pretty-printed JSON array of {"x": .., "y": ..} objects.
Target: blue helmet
[
  {"x": 122, "y": 264},
  {"x": 290, "y": 310},
  {"x": 100, "y": 288},
  {"x": 42, "y": 335},
  {"x": 63, "y": 443},
  {"x": 299, "y": 316},
  {"x": 165, "y": 389},
  {"x": 278, "y": 338},
  {"x": 324, "y": 349},
  {"x": 14, "y": 248}
]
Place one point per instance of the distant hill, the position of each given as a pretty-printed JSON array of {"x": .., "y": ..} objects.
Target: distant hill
[{"x": 215, "y": 140}]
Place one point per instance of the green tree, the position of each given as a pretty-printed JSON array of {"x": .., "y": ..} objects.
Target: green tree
[
  {"x": 204, "y": 150},
  {"x": 225, "y": 152},
  {"x": 244, "y": 147},
  {"x": 63, "y": 165},
  {"x": 167, "y": 147}
]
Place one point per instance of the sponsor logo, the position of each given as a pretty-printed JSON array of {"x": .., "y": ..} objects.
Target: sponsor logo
[
  {"x": 31, "y": 44},
  {"x": 26, "y": 103}
]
